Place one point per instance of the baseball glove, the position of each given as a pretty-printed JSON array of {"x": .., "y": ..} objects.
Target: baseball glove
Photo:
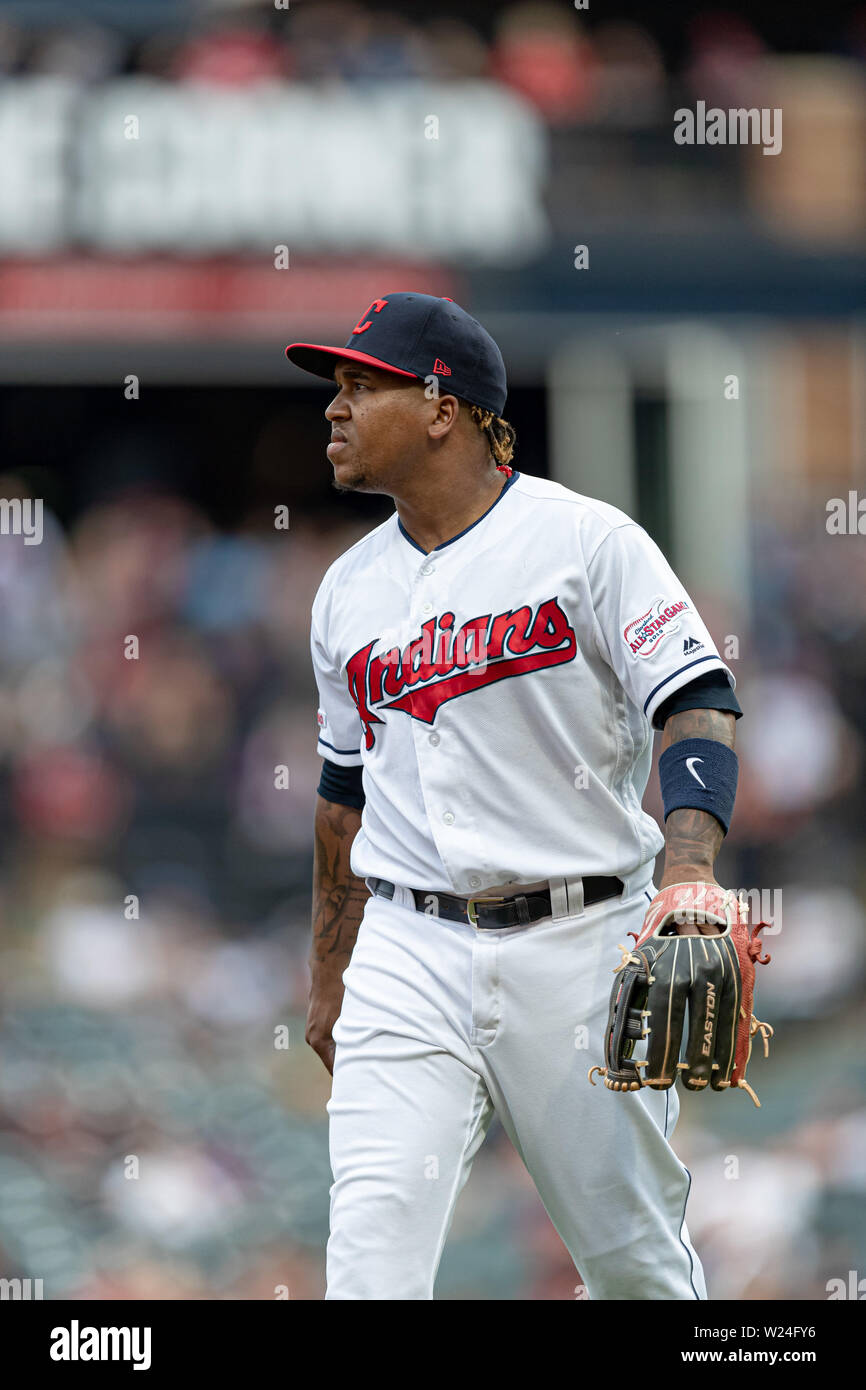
[{"x": 666, "y": 971}]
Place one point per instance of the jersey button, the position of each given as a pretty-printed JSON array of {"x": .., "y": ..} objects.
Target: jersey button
[
  {"x": 434, "y": 740},
  {"x": 474, "y": 881},
  {"x": 428, "y": 569},
  {"x": 448, "y": 817},
  {"x": 426, "y": 608}
]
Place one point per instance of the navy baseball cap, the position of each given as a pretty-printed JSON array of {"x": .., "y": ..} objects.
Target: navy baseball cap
[{"x": 418, "y": 335}]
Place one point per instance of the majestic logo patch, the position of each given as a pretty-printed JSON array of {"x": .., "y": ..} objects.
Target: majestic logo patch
[
  {"x": 644, "y": 635},
  {"x": 442, "y": 662}
]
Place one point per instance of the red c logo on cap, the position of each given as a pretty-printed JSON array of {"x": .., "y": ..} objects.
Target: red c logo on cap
[{"x": 363, "y": 322}]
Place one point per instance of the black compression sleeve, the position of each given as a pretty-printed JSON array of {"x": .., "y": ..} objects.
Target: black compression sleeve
[
  {"x": 710, "y": 691},
  {"x": 341, "y": 784}
]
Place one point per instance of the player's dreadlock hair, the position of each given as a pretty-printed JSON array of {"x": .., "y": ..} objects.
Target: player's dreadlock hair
[{"x": 501, "y": 436}]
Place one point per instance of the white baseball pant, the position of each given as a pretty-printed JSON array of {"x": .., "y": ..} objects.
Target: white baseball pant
[{"x": 441, "y": 1025}]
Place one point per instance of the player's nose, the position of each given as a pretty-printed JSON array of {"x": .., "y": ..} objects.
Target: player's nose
[{"x": 338, "y": 408}]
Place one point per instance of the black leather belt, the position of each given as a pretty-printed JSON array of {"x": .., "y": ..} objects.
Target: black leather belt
[{"x": 488, "y": 913}]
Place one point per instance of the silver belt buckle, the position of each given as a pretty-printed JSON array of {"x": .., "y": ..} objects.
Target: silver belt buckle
[{"x": 472, "y": 911}]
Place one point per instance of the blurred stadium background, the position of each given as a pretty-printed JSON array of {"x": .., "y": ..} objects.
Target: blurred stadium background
[{"x": 705, "y": 372}]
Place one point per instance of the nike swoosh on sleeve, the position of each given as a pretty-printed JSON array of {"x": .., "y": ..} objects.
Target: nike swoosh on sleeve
[{"x": 689, "y": 762}]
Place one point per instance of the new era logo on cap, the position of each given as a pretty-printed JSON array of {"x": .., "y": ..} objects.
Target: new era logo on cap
[{"x": 418, "y": 335}]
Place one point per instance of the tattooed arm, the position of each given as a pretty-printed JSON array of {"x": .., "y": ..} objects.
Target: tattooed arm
[
  {"x": 338, "y": 906},
  {"x": 693, "y": 838}
]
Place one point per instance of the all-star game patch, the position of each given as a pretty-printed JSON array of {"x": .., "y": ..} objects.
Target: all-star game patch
[{"x": 645, "y": 634}]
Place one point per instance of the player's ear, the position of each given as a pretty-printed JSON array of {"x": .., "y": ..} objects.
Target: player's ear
[{"x": 444, "y": 417}]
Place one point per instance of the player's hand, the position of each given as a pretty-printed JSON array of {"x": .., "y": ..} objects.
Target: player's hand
[
  {"x": 663, "y": 980},
  {"x": 323, "y": 1011},
  {"x": 686, "y": 921}
]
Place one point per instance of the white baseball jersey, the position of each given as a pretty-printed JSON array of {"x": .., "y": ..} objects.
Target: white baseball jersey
[{"x": 499, "y": 691}]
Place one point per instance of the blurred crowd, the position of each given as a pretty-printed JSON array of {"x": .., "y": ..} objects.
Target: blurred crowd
[
  {"x": 570, "y": 69},
  {"x": 162, "y": 1123}
]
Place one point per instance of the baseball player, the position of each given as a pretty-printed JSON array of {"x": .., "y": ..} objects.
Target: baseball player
[{"x": 491, "y": 664}]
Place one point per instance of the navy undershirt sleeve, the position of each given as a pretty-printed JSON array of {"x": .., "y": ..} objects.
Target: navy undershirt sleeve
[
  {"x": 710, "y": 691},
  {"x": 342, "y": 784}
]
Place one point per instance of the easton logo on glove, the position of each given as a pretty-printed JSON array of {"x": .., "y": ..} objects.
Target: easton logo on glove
[{"x": 665, "y": 972}]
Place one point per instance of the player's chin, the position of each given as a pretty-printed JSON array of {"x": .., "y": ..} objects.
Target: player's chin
[
  {"x": 349, "y": 476},
  {"x": 354, "y": 482}
]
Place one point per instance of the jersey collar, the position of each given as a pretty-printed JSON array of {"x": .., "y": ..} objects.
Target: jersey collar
[{"x": 442, "y": 544}]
